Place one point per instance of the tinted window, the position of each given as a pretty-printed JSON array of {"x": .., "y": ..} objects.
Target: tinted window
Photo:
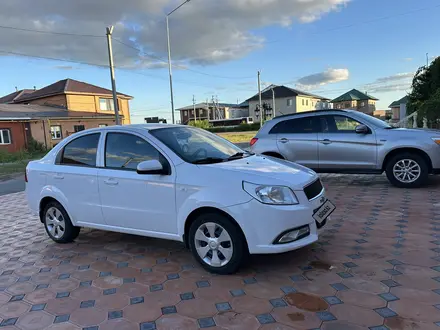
[
  {"x": 338, "y": 124},
  {"x": 81, "y": 151},
  {"x": 126, "y": 151},
  {"x": 296, "y": 126}
]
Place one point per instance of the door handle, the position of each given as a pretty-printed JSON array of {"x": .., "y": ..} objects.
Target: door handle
[
  {"x": 111, "y": 182},
  {"x": 284, "y": 140},
  {"x": 325, "y": 141},
  {"x": 58, "y": 176}
]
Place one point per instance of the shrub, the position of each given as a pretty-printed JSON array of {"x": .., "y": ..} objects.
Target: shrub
[
  {"x": 205, "y": 124},
  {"x": 35, "y": 147}
]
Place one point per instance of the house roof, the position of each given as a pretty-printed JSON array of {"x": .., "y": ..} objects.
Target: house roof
[
  {"x": 354, "y": 95},
  {"x": 66, "y": 86},
  {"x": 33, "y": 111},
  {"x": 10, "y": 98},
  {"x": 397, "y": 103},
  {"x": 282, "y": 92}
]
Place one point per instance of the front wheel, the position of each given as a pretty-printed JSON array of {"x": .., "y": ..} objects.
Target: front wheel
[
  {"x": 57, "y": 223},
  {"x": 217, "y": 243},
  {"x": 407, "y": 170}
]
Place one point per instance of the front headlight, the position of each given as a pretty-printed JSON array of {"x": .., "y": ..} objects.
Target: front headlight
[
  {"x": 276, "y": 195},
  {"x": 436, "y": 140}
]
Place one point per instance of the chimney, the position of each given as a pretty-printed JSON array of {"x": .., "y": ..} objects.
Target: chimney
[{"x": 16, "y": 89}]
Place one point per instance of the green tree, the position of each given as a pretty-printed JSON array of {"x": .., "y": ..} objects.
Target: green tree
[{"x": 425, "y": 92}]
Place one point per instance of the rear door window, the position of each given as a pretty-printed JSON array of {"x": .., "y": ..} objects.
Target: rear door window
[
  {"x": 81, "y": 151},
  {"x": 338, "y": 124},
  {"x": 302, "y": 125}
]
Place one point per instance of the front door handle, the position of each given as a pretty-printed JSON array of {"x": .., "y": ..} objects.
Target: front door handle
[
  {"x": 111, "y": 182},
  {"x": 325, "y": 141},
  {"x": 284, "y": 140},
  {"x": 58, "y": 176}
]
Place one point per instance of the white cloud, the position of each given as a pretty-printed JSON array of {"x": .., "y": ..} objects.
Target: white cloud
[
  {"x": 323, "y": 78},
  {"x": 396, "y": 82},
  {"x": 202, "y": 31}
]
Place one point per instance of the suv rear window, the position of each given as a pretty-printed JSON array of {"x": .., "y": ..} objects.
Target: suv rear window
[
  {"x": 81, "y": 151},
  {"x": 302, "y": 125}
]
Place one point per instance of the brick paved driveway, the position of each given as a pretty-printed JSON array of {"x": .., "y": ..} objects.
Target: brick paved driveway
[{"x": 377, "y": 267}]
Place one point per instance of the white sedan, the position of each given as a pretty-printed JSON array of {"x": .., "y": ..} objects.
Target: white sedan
[{"x": 221, "y": 201}]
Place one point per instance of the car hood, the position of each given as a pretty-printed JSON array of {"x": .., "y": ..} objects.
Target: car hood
[{"x": 266, "y": 170}]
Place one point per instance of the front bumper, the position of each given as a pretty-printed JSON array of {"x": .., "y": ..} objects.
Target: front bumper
[{"x": 262, "y": 224}]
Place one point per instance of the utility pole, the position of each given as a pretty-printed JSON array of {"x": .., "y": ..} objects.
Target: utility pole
[
  {"x": 259, "y": 99},
  {"x": 273, "y": 103},
  {"x": 194, "y": 108},
  {"x": 112, "y": 73},
  {"x": 427, "y": 60}
]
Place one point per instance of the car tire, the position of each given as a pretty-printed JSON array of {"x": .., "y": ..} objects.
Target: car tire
[
  {"x": 418, "y": 170},
  {"x": 57, "y": 223},
  {"x": 230, "y": 253}
]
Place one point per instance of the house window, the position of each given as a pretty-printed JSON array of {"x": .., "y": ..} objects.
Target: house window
[
  {"x": 303, "y": 102},
  {"x": 78, "y": 128},
  {"x": 362, "y": 104},
  {"x": 307, "y": 102},
  {"x": 55, "y": 132},
  {"x": 102, "y": 125},
  {"x": 106, "y": 104},
  {"x": 185, "y": 113},
  {"x": 289, "y": 102},
  {"x": 5, "y": 136}
]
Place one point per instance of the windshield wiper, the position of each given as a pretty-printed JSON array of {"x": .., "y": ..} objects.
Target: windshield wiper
[
  {"x": 209, "y": 160},
  {"x": 391, "y": 127},
  {"x": 239, "y": 155}
]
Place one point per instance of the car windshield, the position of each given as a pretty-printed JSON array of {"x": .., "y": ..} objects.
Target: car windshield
[
  {"x": 373, "y": 120},
  {"x": 198, "y": 146}
]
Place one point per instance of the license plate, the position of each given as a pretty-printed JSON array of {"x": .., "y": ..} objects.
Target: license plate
[{"x": 324, "y": 211}]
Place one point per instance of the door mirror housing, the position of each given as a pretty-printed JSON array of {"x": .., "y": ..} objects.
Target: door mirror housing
[
  {"x": 362, "y": 129},
  {"x": 150, "y": 167}
]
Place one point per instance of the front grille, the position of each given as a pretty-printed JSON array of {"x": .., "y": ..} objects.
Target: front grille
[{"x": 313, "y": 189}]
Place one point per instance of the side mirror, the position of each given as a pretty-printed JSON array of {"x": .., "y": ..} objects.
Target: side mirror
[
  {"x": 150, "y": 167},
  {"x": 362, "y": 129}
]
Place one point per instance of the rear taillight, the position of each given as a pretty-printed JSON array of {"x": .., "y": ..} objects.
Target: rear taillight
[
  {"x": 25, "y": 176},
  {"x": 253, "y": 141}
]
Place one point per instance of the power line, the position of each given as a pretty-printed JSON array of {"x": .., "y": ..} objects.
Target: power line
[{"x": 50, "y": 32}]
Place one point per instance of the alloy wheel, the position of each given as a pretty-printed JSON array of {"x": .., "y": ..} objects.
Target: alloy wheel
[
  {"x": 55, "y": 222},
  {"x": 213, "y": 244},
  {"x": 407, "y": 170}
]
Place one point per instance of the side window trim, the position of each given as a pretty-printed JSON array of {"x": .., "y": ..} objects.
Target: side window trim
[
  {"x": 60, "y": 154},
  {"x": 164, "y": 161}
]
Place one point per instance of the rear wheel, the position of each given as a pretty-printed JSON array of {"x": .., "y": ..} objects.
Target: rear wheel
[
  {"x": 217, "y": 243},
  {"x": 57, "y": 223},
  {"x": 407, "y": 170}
]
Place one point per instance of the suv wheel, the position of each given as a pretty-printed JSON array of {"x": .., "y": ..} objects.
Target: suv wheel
[
  {"x": 58, "y": 225},
  {"x": 407, "y": 170},
  {"x": 217, "y": 244}
]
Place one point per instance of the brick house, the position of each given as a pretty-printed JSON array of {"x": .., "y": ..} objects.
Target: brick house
[
  {"x": 356, "y": 100},
  {"x": 53, "y": 112}
]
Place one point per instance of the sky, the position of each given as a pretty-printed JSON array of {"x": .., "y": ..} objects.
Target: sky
[{"x": 326, "y": 47}]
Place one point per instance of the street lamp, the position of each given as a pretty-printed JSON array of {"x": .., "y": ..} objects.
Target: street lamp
[{"x": 169, "y": 59}]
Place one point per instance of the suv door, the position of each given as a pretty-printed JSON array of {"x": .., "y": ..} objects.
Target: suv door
[
  {"x": 341, "y": 148},
  {"x": 75, "y": 176},
  {"x": 297, "y": 140},
  {"x": 136, "y": 201}
]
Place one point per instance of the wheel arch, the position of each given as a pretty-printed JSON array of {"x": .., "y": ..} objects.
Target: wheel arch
[
  {"x": 413, "y": 150},
  {"x": 208, "y": 209}
]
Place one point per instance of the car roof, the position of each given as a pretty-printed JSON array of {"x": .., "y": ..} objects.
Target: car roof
[
  {"x": 324, "y": 111},
  {"x": 134, "y": 127}
]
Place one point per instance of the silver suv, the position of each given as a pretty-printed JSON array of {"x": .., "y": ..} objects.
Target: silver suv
[{"x": 348, "y": 141}]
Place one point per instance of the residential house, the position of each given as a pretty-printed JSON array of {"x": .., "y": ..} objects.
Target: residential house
[
  {"x": 213, "y": 111},
  {"x": 356, "y": 100},
  {"x": 287, "y": 101},
  {"x": 382, "y": 114},
  {"x": 53, "y": 112},
  {"x": 398, "y": 109}
]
